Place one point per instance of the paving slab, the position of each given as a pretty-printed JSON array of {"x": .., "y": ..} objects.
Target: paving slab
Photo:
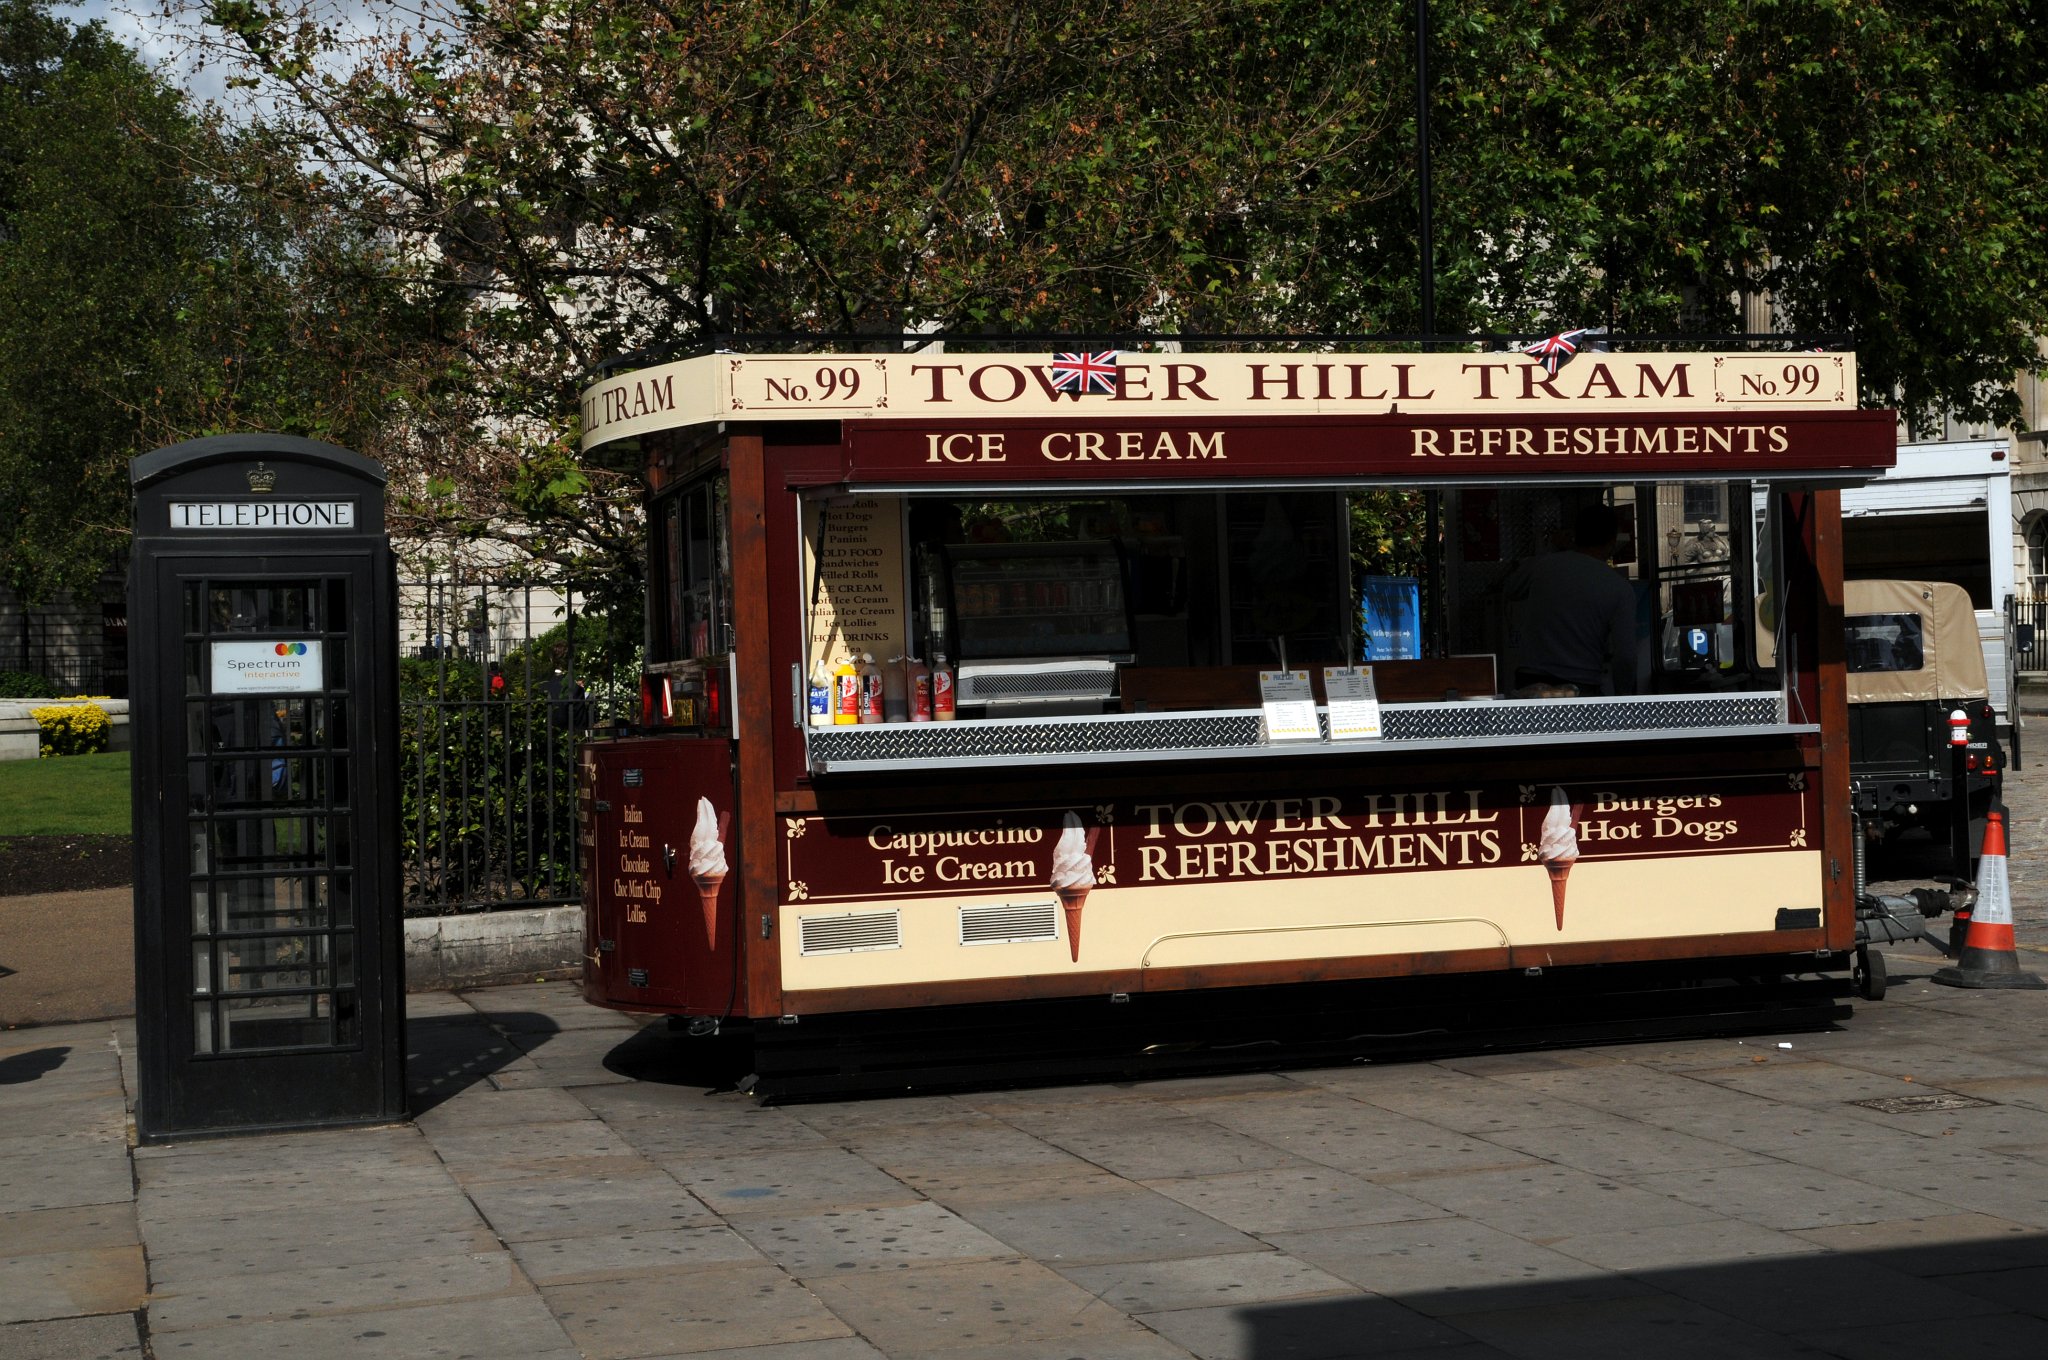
[
  {"x": 1293, "y": 1199},
  {"x": 1656, "y": 1324},
  {"x": 77, "y": 1228},
  {"x": 1320, "y": 1329},
  {"x": 852, "y": 1240},
  {"x": 644, "y": 1199},
  {"x": 304, "y": 1236},
  {"x": 51, "y": 1284},
  {"x": 517, "y": 1328},
  {"x": 1443, "y": 1267},
  {"x": 619, "y": 1256},
  {"x": 1544, "y": 1201},
  {"x": 1205, "y": 1281},
  {"x": 680, "y": 1311},
  {"x": 114, "y": 1337},
  {"x": 1154, "y": 1142},
  {"x": 1816, "y": 1291},
  {"x": 943, "y": 1308},
  {"x": 1710, "y": 1242},
  {"x": 836, "y": 1348},
  {"x": 2002, "y": 1336},
  {"x": 60, "y": 1179},
  {"x": 1943, "y": 1245},
  {"x": 361, "y": 1286},
  {"x": 1619, "y": 1147},
  {"x": 1089, "y": 1228},
  {"x": 792, "y": 1182},
  {"x": 1787, "y": 1197}
]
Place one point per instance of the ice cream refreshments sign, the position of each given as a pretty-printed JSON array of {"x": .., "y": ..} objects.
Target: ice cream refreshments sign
[{"x": 1145, "y": 871}]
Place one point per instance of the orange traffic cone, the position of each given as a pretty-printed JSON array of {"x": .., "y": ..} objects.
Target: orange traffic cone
[{"x": 1988, "y": 959}]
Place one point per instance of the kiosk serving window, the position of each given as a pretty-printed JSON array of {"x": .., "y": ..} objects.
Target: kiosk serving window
[{"x": 1180, "y": 598}]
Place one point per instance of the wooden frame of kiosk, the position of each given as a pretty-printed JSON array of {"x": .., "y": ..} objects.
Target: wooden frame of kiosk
[{"x": 1166, "y": 769}]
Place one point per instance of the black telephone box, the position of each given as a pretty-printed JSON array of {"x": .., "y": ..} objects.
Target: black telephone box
[{"x": 263, "y": 665}]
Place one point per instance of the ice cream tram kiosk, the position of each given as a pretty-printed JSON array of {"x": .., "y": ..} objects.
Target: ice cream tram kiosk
[{"x": 1129, "y": 747}]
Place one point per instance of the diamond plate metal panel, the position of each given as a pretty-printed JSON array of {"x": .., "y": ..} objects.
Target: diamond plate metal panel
[
  {"x": 904, "y": 745},
  {"x": 1481, "y": 722}
]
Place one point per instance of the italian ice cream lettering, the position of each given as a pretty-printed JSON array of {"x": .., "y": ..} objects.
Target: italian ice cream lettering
[
  {"x": 1073, "y": 875},
  {"x": 707, "y": 863},
  {"x": 1558, "y": 847}
]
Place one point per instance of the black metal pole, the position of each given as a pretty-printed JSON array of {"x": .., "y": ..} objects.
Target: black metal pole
[{"x": 1422, "y": 170}]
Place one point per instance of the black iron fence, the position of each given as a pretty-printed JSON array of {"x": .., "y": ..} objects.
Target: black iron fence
[
  {"x": 2029, "y": 615},
  {"x": 499, "y": 681}
]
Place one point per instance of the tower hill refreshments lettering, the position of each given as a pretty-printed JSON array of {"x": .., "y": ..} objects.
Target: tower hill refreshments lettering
[{"x": 1316, "y": 835}]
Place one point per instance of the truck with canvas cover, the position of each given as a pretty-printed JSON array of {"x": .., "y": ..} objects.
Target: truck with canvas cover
[{"x": 1914, "y": 661}]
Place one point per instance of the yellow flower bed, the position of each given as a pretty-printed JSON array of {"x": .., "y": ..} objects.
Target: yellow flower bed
[{"x": 72, "y": 729}]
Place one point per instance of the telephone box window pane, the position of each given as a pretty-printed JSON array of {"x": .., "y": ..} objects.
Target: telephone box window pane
[
  {"x": 195, "y": 609},
  {"x": 345, "y": 1018},
  {"x": 273, "y": 963},
  {"x": 202, "y": 909},
  {"x": 195, "y": 668},
  {"x": 281, "y": 902},
  {"x": 344, "y": 959},
  {"x": 267, "y": 842},
  {"x": 335, "y": 662},
  {"x": 276, "y": 1022},
  {"x": 257, "y": 781},
  {"x": 337, "y": 607},
  {"x": 202, "y": 969},
  {"x": 250, "y": 608},
  {"x": 202, "y": 1027}
]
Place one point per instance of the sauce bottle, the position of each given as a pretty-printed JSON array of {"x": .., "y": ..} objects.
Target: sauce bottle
[
  {"x": 918, "y": 679},
  {"x": 818, "y": 699},
  {"x": 870, "y": 689},
  {"x": 845, "y": 693},
  {"x": 895, "y": 694},
  {"x": 942, "y": 690}
]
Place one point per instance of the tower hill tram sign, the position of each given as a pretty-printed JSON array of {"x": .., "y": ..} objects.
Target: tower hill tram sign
[{"x": 1159, "y": 778}]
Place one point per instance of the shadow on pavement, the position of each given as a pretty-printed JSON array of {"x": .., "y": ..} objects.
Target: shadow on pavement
[
  {"x": 1979, "y": 1297},
  {"x": 667, "y": 1057},
  {"x": 32, "y": 1065},
  {"x": 446, "y": 1055}
]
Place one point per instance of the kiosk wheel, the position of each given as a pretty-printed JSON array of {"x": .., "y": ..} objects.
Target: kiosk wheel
[{"x": 1868, "y": 972}]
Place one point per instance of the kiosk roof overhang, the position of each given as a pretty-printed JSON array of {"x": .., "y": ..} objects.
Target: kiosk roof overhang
[{"x": 921, "y": 419}]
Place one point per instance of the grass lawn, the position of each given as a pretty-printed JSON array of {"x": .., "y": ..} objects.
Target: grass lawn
[{"x": 65, "y": 796}]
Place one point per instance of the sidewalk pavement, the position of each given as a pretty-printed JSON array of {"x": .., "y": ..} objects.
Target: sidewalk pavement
[{"x": 564, "y": 1191}]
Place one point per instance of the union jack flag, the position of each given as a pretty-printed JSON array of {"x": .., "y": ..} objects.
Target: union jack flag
[
  {"x": 1083, "y": 374},
  {"x": 1555, "y": 352}
]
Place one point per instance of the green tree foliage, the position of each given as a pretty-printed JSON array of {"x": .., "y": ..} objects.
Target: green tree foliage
[
  {"x": 598, "y": 177},
  {"x": 163, "y": 277}
]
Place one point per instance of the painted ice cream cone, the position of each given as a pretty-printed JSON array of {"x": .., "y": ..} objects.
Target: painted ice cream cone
[
  {"x": 1071, "y": 902},
  {"x": 1073, "y": 874},
  {"x": 1559, "y": 870},
  {"x": 707, "y": 864},
  {"x": 707, "y": 897},
  {"x": 1558, "y": 848}
]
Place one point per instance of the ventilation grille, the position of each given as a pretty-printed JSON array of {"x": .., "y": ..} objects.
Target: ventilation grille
[
  {"x": 851, "y": 933},
  {"x": 1009, "y": 922}
]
